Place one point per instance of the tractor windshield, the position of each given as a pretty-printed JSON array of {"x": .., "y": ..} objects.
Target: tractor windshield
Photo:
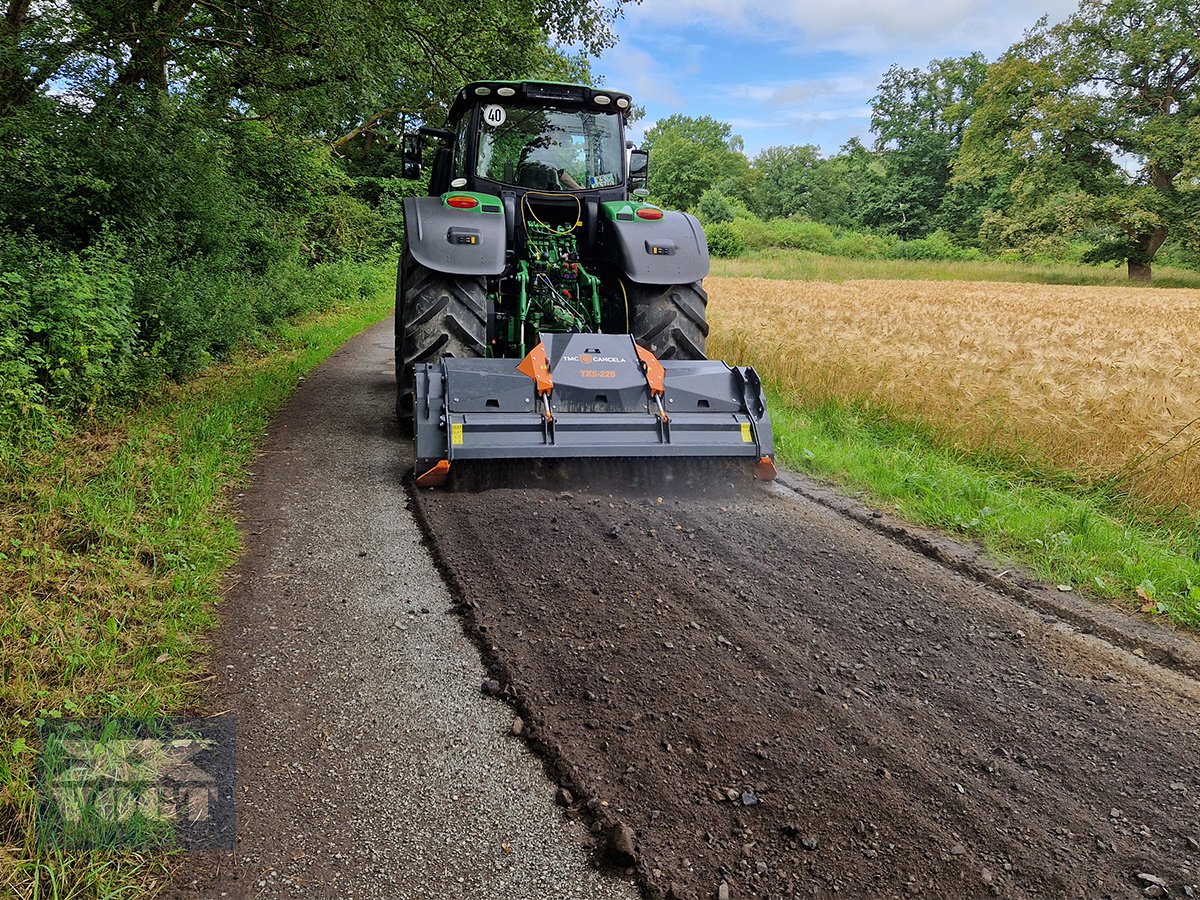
[{"x": 550, "y": 149}]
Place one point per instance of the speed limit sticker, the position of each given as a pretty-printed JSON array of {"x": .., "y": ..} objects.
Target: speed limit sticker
[{"x": 494, "y": 115}]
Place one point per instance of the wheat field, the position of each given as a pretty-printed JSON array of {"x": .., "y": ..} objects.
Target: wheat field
[{"x": 1099, "y": 380}]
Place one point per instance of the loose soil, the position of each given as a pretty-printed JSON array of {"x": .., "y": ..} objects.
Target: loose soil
[{"x": 777, "y": 699}]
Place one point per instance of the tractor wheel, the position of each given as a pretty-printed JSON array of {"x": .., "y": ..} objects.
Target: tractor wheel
[
  {"x": 669, "y": 320},
  {"x": 436, "y": 315}
]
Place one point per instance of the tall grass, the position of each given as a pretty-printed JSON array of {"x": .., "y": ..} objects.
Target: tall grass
[
  {"x": 1096, "y": 380},
  {"x": 807, "y": 266}
]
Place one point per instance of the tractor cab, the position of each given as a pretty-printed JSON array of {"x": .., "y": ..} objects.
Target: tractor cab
[{"x": 534, "y": 137}]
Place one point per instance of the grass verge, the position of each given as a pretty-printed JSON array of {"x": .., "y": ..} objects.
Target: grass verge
[
  {"x": 112, "y": 547},
  {"x": 1065, "y": 530},
  {"x": 801, "y": 265}
]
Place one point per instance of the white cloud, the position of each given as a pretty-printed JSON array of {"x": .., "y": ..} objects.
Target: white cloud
[
  {"x": 804, "y": 91},
  {"x": 801, "y": 116},
  {"x": 802, "y": 104},
  {"x": 641, "y": 75}
]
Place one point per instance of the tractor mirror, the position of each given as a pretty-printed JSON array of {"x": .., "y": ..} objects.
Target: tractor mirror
[
  {"x": 639, "y": 170},
  {"x": 411, "y": 149}
]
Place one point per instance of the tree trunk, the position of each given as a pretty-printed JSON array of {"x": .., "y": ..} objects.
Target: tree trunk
[
  {"x": 15, "y": 89},
  {"x": 150, "y": 47},
  {"x": 1148, "y": 244}
]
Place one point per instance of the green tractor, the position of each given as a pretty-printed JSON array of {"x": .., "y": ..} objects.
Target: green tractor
[{"x": 543, "y": 309}]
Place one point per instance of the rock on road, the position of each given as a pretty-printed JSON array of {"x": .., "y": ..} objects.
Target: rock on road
[{"x": 757, "y": 695}]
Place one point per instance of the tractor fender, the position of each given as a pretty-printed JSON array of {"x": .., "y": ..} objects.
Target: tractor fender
[
  {"x": 456, "y": 241},
  {"x": 670, "y": 250}
]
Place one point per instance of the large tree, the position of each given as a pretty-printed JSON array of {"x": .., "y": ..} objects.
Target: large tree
[
  {"x": 1095, "y": 120},
  {"x": 312, "y": 64},
  {"x": 786, "y": 182},
  {"x": 689, "y": 156},
  {"x": 918, "y": 118}
]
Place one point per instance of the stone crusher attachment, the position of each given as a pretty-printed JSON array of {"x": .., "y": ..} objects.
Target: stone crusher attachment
[{"x": 587, "y": 396}]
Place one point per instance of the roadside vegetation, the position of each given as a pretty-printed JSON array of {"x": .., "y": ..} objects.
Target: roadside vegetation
[
  {"x": 112, "y": 545},
  {"x": 1057, "y": 425}
]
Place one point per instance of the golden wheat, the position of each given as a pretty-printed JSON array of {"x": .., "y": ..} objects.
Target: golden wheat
[{"x": 1103, "y": 380}]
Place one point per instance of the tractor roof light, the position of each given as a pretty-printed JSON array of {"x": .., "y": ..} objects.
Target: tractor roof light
[
  {"x": 649, "y": 212},
  {"x": 461, "y": 201},
  {"x": 483, "y": 91},
  {"x": 506, "y": 91},
  {"x": 623, "y": 103},
  {"x": 602, "y": 99}
]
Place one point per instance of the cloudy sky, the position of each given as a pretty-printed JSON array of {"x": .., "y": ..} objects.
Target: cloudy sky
[{"x": 797, "y": 71}]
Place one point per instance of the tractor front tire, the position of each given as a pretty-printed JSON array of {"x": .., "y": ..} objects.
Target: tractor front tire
[
  {"x": 436, "y": 315},
  {"x": 670, "y": 320}
]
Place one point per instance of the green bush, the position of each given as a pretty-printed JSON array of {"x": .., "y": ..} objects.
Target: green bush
[
  {"x": 24, "y": 410},
  {"x": 717, "y": 206},
  {"x": 138, "y": 244},
  {"x": 938, "y": 245},
  {"x": 816, "y": 237},
  {"x": 724, "y": 240},
  {"x": 783, "y": 234},
  {"x": 804, "y": 234},
  {"x": 755, "y": 234},
  {"x": 801, "y": 234},
  {"x": 66, "y": 327},
  {"x": 714, "y": 207},
  {"x": 342, "y": 227},
  {"x": 858, "y": 245}
]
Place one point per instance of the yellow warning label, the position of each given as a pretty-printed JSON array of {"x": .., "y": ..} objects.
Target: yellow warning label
[
  {"x": 747, "y": 436},
  {"x": 456, "y": 435}
]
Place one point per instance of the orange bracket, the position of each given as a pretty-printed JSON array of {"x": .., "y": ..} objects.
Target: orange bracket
[
  {"x": 436, "y": 476},
  {"x": 655, "y": 373},
  {"x": 765, "y": 470},
  {"x": 537, "y": 367}
]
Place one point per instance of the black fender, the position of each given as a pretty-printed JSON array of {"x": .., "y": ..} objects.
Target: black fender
[
  {"x": 456, "y": 241},
  {"x": 669, "y": 250}
]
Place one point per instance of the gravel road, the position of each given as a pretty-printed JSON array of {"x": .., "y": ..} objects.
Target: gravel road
[
  {"x": 745, "y": 695},
  {"x": 369, "y": 762}
]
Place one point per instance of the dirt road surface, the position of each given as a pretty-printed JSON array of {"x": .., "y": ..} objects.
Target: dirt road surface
[{"x": 775, "y": 699}]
